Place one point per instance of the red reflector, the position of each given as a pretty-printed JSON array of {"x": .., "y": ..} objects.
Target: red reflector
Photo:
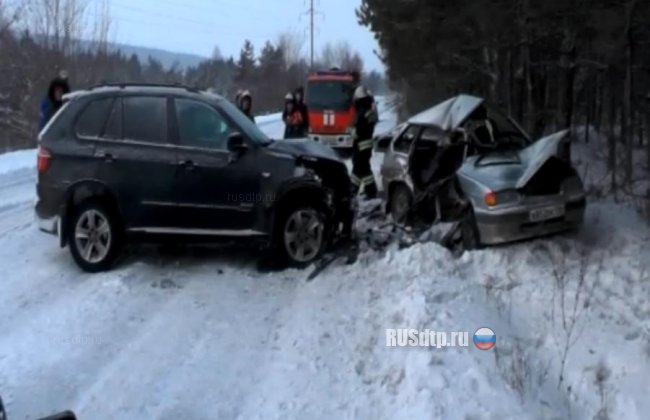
[{"x": 43, "y": 161}]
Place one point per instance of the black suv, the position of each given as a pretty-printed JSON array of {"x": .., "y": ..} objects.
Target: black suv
[{"x": 120, "y": 163}]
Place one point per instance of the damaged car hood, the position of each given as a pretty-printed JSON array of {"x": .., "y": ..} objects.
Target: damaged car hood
[
  {"x": 513, "y": 169},
  {"x": 448, "y": 115},
  {"x": 304, "y": 148}
]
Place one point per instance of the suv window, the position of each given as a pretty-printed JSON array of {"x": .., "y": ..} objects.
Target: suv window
[
  {"x": 404, "y": 142},
  {"x": 145, "y": 119},
  {"x": 201, "y": 126},
  {"x": 91, "y": 120}
]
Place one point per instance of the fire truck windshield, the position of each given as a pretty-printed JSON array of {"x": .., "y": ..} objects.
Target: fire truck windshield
[{"x": 330, "y": 95}]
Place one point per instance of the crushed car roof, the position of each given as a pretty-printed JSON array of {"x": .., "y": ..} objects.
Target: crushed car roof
[{"x": 450, "y": 114}]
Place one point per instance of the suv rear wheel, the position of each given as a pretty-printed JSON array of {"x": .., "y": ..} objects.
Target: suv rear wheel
[
  {"x": 303, "y": 235},
  {"x": 95, "y": 238}
]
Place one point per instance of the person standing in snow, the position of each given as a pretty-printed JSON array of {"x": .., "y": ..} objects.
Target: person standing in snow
[
  {"x": 299, "y": 96},
  {"x": 364, "y": 128},
  {"x": 53, "y": 100},
  {"x": 292, "y": 118},
  {"x": 246, "y": 105}
]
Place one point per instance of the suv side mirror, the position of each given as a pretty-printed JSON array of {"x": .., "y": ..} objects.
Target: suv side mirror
[{"x": 236, "y": 143}]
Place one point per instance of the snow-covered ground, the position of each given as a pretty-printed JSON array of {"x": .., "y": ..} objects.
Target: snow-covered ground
[
  {"x": 15, "y": 161},
  {"x": 200, "y": 334}
]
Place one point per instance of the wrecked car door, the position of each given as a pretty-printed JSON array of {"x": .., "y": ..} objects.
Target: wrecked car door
[{"x": 396, "y": 163}]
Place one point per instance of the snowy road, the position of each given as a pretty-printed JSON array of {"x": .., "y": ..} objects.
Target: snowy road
[
  {"x": 16, "y": 200},
  {"x": 200, "y": 334}
]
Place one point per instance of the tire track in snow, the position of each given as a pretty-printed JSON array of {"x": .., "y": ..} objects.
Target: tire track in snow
[
  {"x": 20, "y": 177},
  {"x": 17, "y": 195}
]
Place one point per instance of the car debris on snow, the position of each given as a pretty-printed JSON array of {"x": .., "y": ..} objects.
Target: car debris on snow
[{"x": 376, "y": 231}]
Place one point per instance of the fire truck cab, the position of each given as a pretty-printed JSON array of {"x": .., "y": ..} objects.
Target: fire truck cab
[{"x": 331, "y": 110}]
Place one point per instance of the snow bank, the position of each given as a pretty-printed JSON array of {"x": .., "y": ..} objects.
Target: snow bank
[
  {"x": 581, "y": 303},
  {"x": 334, "y": 340},
  {"x": 571, "y": 314},
  {"x": 15, "y": 161}
]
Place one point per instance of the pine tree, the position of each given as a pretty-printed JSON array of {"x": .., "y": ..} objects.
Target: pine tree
[{"x": 246, "y": 65}]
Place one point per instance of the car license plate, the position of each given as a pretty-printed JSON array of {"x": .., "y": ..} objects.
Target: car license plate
[{"x": 546, "y": 213}]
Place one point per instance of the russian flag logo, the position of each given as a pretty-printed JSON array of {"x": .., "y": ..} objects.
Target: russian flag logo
[{"x": 484, "y": 339}]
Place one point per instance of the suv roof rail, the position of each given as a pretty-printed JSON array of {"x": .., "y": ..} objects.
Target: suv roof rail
[{"x": 144, "y": 84}]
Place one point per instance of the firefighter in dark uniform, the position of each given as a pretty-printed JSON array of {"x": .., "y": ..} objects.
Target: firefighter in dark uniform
[{"x": 364, "y": 127}]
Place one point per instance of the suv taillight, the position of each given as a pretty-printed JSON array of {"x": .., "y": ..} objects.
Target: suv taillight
[{"x": 44, "y": 158}]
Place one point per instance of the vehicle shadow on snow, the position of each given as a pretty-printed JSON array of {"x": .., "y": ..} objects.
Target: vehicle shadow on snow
[
  {"x": 205, "y": 256},
  {"x": 189, "y": 256}
]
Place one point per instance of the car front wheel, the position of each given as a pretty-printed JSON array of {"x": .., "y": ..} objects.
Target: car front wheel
[
  {"x": 94, "y": 238},
  {"x": 303, "y": 235},
  {"x": 401, "y": 203}
]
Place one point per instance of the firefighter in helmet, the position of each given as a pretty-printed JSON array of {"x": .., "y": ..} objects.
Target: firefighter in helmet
[{"x": 364, "y": 128}]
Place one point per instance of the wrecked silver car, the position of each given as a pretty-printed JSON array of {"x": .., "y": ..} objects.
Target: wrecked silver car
[{"x": 465, "y": 162}]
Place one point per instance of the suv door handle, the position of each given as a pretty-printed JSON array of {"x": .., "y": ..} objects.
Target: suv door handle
[
  {"x": 108, "y": 157},
  {"x": 187, "y": 164}
]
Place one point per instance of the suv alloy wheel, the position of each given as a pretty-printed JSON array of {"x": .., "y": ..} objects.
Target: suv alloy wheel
[
  {"x": 303, "y": 235},
  {"x": 95, "y": 239}
]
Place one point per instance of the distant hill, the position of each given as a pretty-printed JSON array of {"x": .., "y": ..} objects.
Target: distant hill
[{"x": 167, "y": 58}]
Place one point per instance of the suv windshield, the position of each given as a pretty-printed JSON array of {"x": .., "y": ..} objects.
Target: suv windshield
[
  {"x": 248, "y": 127},
  {"x": 334, "y": 95}
]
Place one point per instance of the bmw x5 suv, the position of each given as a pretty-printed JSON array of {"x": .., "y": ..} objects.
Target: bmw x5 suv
[{"x": 126, "y": 163}]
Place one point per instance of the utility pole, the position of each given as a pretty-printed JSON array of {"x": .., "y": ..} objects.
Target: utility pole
[
  {"x": 311, "y": 16},
  {"x": 312, "y": 12}
]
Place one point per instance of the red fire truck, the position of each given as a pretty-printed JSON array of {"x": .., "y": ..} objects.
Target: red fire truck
[{"x": 331, "y": 111}]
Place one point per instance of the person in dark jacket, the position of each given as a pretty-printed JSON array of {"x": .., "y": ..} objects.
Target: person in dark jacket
[
  {"x": 292, "y": 118},
  {"x": 246, "y": 105},
  {"x": 299, "y": 96},
  {"x": 364, "y": 129},
  {"x": 53, "y": 101}
]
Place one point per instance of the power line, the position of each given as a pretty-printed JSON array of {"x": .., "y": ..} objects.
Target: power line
[
  {"x": 163, "y": 15},
  {"x": 212, "y": 32},
  {"x": 203, "y": 26},
  {"x": 205, "y": 11}
]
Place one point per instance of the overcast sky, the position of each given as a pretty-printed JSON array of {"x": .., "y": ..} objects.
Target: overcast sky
[{"x": 197, "y": 26}]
